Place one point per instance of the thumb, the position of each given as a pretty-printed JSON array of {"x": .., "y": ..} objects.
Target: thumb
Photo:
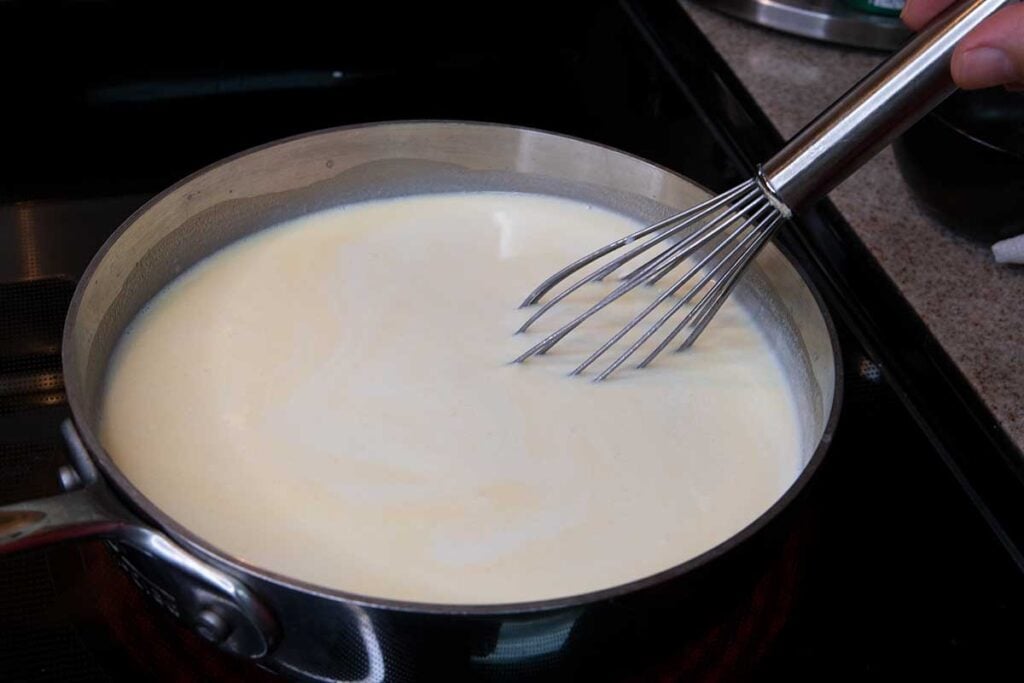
[{"x": 993, "y": 53}]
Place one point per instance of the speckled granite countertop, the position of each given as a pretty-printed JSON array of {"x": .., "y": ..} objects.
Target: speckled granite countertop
[{"x": 973, "y": 306}]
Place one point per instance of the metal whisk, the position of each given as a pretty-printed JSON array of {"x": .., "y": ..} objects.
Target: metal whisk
[{"x": 716, "y": 239}]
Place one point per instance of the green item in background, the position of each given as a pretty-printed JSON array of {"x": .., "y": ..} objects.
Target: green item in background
[{"x": 888, "y": 7}]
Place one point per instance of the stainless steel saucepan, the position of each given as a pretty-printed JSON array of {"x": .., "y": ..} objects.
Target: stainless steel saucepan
[{"x": 316, "y": 633}]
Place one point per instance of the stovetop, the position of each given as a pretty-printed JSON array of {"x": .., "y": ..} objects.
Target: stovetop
[{"x": 911, "y": 556}]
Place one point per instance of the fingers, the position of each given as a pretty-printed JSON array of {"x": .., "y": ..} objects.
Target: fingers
[
  {"x": 917, "y": 13},
  {"x": 993, "y": 53}
]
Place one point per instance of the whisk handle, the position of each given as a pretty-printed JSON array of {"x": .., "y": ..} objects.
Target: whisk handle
[{"x": 870, "y": 115}]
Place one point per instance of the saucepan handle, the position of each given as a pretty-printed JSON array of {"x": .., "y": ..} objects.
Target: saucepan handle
[
  {"x": 88, "y": 509},
  {"x": 215, "y": 604},
  {"x": 64, "y": 517}
]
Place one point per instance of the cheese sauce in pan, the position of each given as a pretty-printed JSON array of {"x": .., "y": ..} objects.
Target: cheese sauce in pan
[{"x": 332, "y": 400}]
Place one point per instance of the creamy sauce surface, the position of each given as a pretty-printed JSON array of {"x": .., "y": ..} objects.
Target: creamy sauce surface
[{"x": 332, "y": 400}]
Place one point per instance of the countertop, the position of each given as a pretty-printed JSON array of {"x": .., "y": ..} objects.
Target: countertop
[{"x": 973, "y": 306}]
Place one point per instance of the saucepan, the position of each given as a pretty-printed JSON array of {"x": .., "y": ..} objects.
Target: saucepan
[{"x": 315, "y": 633}]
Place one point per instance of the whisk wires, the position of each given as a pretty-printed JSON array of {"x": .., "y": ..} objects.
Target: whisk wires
[{"x": 722, "y": 234}]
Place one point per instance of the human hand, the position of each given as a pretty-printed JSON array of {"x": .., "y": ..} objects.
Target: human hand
[{"x": 992, "y": 54}]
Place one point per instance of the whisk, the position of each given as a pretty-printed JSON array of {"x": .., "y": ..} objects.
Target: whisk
[{"x": 715, "y": 240}]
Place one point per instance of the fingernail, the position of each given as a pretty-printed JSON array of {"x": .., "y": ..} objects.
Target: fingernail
[{"x": 983, "y": 67}]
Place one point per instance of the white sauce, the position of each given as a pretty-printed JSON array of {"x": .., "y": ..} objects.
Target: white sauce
[{"x": 332, "y": 400}]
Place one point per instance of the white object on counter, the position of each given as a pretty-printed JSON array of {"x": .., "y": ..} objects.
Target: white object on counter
[{"x": 1009, "y": 250}]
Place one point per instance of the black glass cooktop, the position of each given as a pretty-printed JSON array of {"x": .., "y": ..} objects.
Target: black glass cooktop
[{"x": 909, "y": 562}]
